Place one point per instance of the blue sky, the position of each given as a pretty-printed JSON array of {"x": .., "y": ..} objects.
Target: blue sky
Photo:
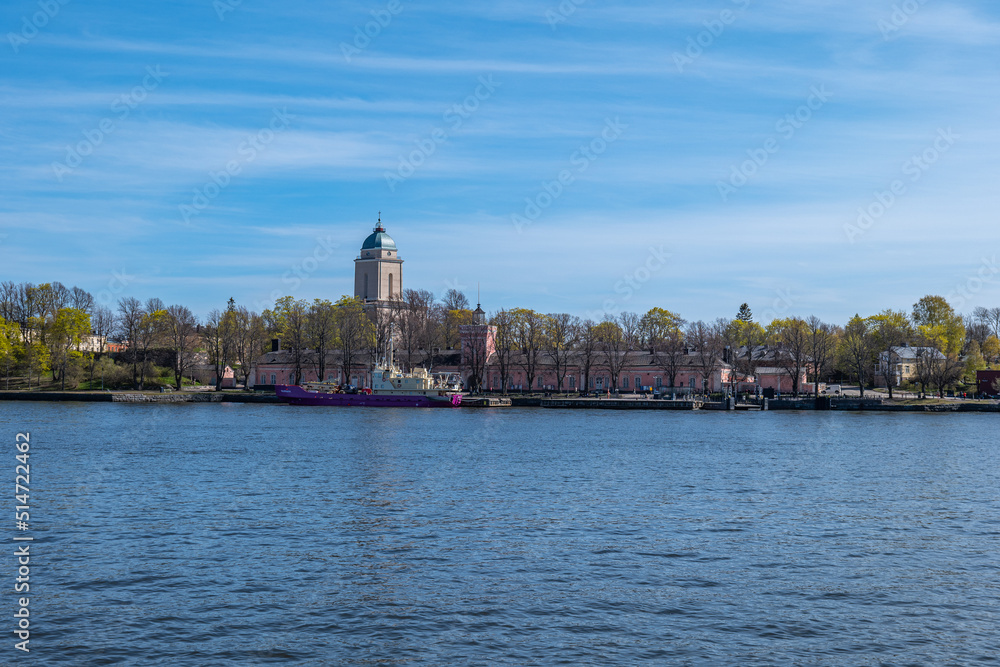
[{"x": 710, "y": 153}]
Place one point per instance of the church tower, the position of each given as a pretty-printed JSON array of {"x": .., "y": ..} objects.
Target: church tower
[{"x": 378, "y": 270}]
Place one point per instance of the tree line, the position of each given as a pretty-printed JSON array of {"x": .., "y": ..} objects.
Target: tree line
[{"x": 44, "y": 330}]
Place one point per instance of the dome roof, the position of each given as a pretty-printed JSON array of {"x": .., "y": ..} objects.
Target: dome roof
[{"x": 379, "y": 239}]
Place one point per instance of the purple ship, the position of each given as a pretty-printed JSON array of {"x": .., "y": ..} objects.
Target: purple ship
[{"x": 391, "y": 388}]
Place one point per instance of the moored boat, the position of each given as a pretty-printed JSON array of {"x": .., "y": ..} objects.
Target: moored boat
[{"x": 390, "y": 388}]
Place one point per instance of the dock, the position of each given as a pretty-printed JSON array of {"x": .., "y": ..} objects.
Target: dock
[{"x": 620, "y": 404}]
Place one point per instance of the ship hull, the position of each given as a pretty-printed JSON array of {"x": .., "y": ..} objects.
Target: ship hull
[{"x": 296, "y": 395}]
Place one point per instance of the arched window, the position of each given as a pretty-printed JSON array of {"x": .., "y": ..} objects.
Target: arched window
[
  {"x": 391, "y": 277},
  {"x": 365, "y": 293}
]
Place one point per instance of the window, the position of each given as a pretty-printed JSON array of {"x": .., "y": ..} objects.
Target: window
[
  {"x": 659, "y": 381},
  {"x": 591, "y": 383},
  {"x": 291, "y": 378},
  {"x": 391, "y": 290},
  {"x": 366, "y": 286},
  {"x": 572, "y": 382},
  {"x": 539, "y": 383},
  {"x": 638, "y": 382},
  {"x": 691, "y": 383},
  {"x": 625, "y": 383},
  {"x": 274, "y": 380}
]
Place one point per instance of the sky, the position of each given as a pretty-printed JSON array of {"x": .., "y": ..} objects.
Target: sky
[{"x": 804, "y": 156}]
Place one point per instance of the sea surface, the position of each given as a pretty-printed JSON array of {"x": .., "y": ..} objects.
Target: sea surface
[{"x": 270, "y": 534}]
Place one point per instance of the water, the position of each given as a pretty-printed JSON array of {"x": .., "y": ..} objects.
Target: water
[{"x": 259, "y": 534}]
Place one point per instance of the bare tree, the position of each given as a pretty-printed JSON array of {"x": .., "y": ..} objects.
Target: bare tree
[
  {"x": 180, "y": 334},
  {"x": 130, "y": 314},
  {"x": 822, "y": 347},
  {"x": 618, "y": 337},
  {"x": 990, "y": 317},
  {"x": 561, "y": 335},
  {"x": 354, "y": 332},
  {"x": 505, "y": 342},
  {"x": 857, "y": 350},
  {"x": 81, "y": 299},
  {"x": 707, "y": 343},
  {"x": 455, "y": 300},
  {"x": 102, "y": 322},
  {"x": 529, "y": 329},
  {"x": 793, "y": 340},
  {"x": 321, "y": 330},
  {"x": 250, "y": 339}
]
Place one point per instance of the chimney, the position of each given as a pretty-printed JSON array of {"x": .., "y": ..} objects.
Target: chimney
[{"x": 275, "y": 345}]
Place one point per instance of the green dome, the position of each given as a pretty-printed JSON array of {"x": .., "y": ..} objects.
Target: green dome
[{"x": 379, "y": 239}]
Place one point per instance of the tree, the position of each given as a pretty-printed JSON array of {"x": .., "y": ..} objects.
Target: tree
[
  {"x": 744, "y": 338},
  {"x": 68, "y": 328},
  {"x": 991, "y": 350},
  {"x": 249, "y": 341},
  {"x": 618, "y": 337},
  {"x": 180, "y": 325},
  {"x": 662, "y": 332},
  {"x": 587, "y": 350},
  {"x": 889, "y": 329},
  {"x": 10, "y": 346},
  {"x": 151, "y": 332},
  {"x": 455, "y": 300},
  {"x": 529, "y": 328},
  {"x": 942, "y": 328},
  {"x": 990, "y": 318},
  {"x": 822, "y": 347},
  {"x": 707, "y": 343},
  {"x": 857, "y": 349},
  {"x": 354, "y": 331},
  {"x": 505, "y": 342},
  {"x": 288, "y": 320},
  {"x": 102, "y": 322},
  {"x": 453, "y": 319},
  {"x": 561, "y": 334},
  {"x": 321, "y": 329},
  {"x": 130, "y": 314},
  {"x": 792, "y": 336}
]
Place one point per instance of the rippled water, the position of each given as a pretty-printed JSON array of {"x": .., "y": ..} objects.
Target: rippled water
[{"x": 258, "y": 534}]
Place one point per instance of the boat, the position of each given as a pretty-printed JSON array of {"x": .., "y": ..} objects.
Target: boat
[{"x": 390, "y": 388}]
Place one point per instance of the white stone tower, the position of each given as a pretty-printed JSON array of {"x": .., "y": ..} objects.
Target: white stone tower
[{"x": 378, "y": 270}]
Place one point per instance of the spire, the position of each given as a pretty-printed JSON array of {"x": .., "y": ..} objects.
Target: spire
[{"x": 379, "y": 228}]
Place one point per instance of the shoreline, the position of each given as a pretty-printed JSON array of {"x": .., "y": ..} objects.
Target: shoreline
[{"x": 778, "y": 405}]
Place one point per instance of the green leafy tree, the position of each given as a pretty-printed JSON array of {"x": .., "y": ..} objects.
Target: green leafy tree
[
  {"x": 889, "y": 329},
  {"x": 942, "y": 328},
  {"x": 10, "y": 347},
  {"x": 991, "y": 351},
  {"x": 66, "y": 331}
]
